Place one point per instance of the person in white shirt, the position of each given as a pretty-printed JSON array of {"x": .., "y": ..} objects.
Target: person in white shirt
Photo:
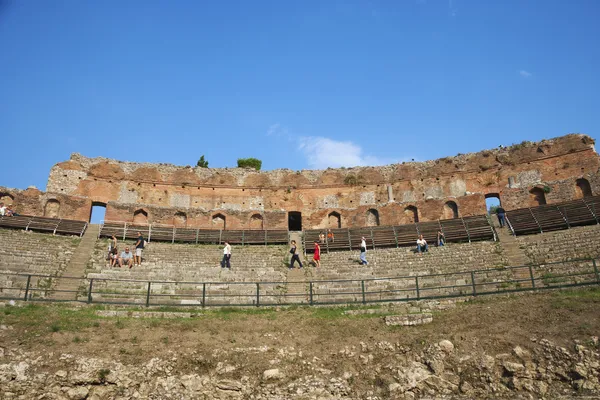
[
  {"x": 2, "y": 209},
  {"x": 226, "y": 256},
  {"x": 422, "y": 244},
  {"x": 363, "y": 252}
]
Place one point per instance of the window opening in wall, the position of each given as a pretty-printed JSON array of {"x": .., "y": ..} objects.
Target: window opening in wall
[
  {"x": 97, "y": 213},
  {"x": 492, "y": 201},
  {"x": 295, "y": 221},
  {"x": 583, "y": 188}
]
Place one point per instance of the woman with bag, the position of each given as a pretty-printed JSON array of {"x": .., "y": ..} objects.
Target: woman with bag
[{"x": 294, "y": 253}]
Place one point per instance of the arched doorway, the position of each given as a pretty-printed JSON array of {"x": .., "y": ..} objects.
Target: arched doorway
[
  {"x": 583, "y": 188},
  {"x": 256, "y": 221},
  {"x": 295, "y": 221},
  {"x": 372, "y": 217},
  {"x": 97, "y": 213},
  {"x": 218, "y": 221},
  {"x": 450, "y": 210},
  {"x": 537, "y": 197},
  {"x": 411, "y": 214},
  {"x": 180, "y": 219},
  {"x": 334, "y": 220},
  {"x": 492, "y": 201},
  {"x": 140, "y": 217},
  {"x": 52, "y": 208}
]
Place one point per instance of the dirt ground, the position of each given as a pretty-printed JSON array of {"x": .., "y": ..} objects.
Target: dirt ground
[{"x": 491, "y": 324}]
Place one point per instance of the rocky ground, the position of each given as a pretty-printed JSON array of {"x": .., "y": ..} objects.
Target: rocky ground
[{"x": 529, "y": 346}]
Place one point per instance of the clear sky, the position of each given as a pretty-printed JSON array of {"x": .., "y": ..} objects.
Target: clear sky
[{"x": 298, "y": 84}]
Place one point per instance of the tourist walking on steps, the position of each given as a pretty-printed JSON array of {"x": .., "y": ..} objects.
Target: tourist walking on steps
[
  {"x": 295, "y": 256},
  {"x": 317, "y": 254},
  {"x": 139, "y": 246},
  {"x": 363, "y": 251},
  {"x": 422, "y": 245},
  {"x": 501, "y": 215},
  {"x": 225, "y": 263}
]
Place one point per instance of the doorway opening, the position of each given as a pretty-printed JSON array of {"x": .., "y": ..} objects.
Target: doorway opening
[
  {"x": 492, "y": 201},
  {"x": 294, "y": 221},
  {"x": 97, "y": 213}
]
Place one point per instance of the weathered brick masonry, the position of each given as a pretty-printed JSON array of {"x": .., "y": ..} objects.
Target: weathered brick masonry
[{"x": 522, "y": 175}]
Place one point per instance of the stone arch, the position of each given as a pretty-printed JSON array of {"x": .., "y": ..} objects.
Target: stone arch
[
  {"x": 52, "y": 208},
  {"x": 372, "y": 217},
  {"x": 334, "y": 220},
  {"x": 180, "y": 219},
  {"x": 140, "y": 217},
  {"x": 537, "y": 197},
  {"x": 6, "y": 198},
  {"x": 450, "y": 210},
  {"x": 411, "y": 214},
  {"x": 219, "y": 221},
  {"x": 256, "y": 221},
  {"x": 583, "y": 188}
]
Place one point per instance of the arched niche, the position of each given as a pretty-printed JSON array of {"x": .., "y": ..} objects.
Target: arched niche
[
  {"x": 537, "y": 197},
  {"x": 334, "y": 220},
  {"x": 256, "y": 221},
  {"x": 52, "y": 208},
  {"x": 180, "y": 219},
  {"x": 450, "y": 210},
  {"x": 218, "y": 221},
  {"x": 140, "y": 217},
  {"x": 582, "y": 188},
  {"x": 372, "y": 218},
  {"x": 411, "y": 214}
]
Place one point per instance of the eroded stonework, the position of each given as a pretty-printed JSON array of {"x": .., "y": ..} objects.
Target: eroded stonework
[{"x": 522, "y": 175}]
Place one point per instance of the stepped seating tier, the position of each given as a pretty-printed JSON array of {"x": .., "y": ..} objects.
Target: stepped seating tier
[
  {"x": 552, "y": 217},
  {"x": 186, "y": 271},
  {"x": 162, "y": 233},
  {"x": 23, "y": 253},
  {"x": 43, "y": 224},
  {"x": 465, "y": 229}
]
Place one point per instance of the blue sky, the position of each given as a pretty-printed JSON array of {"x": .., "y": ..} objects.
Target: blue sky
[{"x": 304, "y": 84}]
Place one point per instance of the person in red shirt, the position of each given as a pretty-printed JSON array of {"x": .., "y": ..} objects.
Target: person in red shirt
[{"x": 317, "y": 254}]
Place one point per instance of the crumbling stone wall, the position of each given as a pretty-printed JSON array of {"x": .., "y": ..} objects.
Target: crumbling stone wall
[{"x": 165, "y": 190}]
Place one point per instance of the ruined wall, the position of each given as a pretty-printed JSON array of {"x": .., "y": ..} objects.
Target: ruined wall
[{"x": 393, "y": 194}]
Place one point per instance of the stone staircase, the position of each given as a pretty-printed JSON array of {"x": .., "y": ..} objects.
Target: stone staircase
[
  {"x": 66, "y": 289},
  {"x": 296, "y": 278},
  {"x": 26, "y": 252},
  {"x": 515, "y": 255}
]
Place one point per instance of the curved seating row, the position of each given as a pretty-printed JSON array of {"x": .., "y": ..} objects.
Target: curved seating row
[
  {"x": 464, "y": 229},
  {"x": 43, "y": 224},
  {"x": 553, "y": 217},
  {"x": 162, "y": 233}
]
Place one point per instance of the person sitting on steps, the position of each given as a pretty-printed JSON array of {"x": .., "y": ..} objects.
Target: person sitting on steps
[
  {"x": 126, "y": 257},
  {"x": 295, "y": 256},
  {"x": 422, "y": 245}
]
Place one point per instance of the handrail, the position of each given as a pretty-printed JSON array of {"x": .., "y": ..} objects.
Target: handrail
[
  {"x": 535, "y": 219},
  {"x": 587, "y": 274}
]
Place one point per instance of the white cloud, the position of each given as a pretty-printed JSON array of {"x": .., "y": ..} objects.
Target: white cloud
[
  {"x": 525, "y": 74},
  {"x": 278, "y": 130},
  {"x": 322, "y": 152}
]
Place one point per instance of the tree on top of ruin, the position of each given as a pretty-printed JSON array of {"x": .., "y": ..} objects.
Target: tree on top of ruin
[
  {"x": 202, "y": 163},
  {"x": 249, "y": 163}
]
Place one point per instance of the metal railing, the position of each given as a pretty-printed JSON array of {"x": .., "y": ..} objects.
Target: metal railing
[{"x": 35, "y": 287}]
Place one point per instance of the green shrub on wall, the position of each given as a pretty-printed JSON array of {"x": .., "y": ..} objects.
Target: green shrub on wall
[{"x": 249, "y": 163}]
